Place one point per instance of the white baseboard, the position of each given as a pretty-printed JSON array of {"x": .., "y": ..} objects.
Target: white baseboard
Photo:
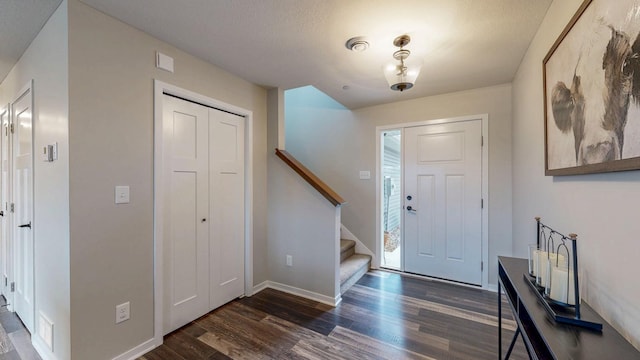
[
  {"x": 42, "y": 349},
  {"x": 138, "y": 351},
  {"x": 298, "y": 292},
  {"x": 263, "y": 285}
]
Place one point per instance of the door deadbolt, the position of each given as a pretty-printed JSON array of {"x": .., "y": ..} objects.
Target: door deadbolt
[{"x": 409, "y": 197}]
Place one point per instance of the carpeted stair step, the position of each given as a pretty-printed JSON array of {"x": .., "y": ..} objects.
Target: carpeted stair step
[
  {"x": 347, "y": 248},
  {"x": 352, "y": 269}
]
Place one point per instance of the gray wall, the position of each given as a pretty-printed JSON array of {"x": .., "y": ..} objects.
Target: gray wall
[
  {"x": 337, "y": 143},
  {"x": 302, "y": 223},
  {"x": 601, "y": 209},
  {"x": 111, "y": 72}
]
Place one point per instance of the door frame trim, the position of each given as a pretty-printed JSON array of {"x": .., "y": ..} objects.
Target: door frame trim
[
  {"x": 4, "y": 110},
  {"x": 161, "y": 88},
  {"x": 484, "y": 118}
]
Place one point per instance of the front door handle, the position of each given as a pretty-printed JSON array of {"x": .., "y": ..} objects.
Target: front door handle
[
  {"x": 1, "y": 213},
  {"x": 409, "y": 208},
  {"x": 25, "y": 225}
]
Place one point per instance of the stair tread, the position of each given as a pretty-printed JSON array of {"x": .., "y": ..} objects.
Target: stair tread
[
  {"x": 345, "y": 244},
  {"x": 351, "y": 265}
]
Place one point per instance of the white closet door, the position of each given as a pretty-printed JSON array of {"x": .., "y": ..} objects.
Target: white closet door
[
  {"x": 186, "y": 243},
  {"x": 203, "y": 159},
  {"x": 226, "y": 206},
  {"x": 22, "y": 114}
]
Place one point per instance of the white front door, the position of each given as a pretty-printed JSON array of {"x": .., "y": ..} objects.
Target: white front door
[
  {"x": 21, "y": 113},
  {"x": 186, "y": 243},
  {"x": 5, "y": 228},
  {"x": 442, "y": 201},
  {"x": 203, "y": 158},
  {"x": 226, "y": 206}
]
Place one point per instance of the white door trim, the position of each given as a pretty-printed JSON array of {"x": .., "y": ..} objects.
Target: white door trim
[
  {"x": 161, "y": 88},
  {"x": 6, "y": 252},
  {"x": 485, "y": 182}
]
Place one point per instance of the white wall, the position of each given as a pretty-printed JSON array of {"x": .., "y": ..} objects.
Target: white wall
[
  {"x": 112, "y": 68},
  {"x": 45, "y": 61},
  {"x": 601, "y": 209},
  {"x": 337, "y": 143}
]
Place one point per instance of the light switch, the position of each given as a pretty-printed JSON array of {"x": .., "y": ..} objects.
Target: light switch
[
  {"x": 122, "y": 194},
  {"x": 365, "y": 175}
]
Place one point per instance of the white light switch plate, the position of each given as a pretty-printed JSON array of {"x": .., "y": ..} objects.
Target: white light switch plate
[
  {"x": 122, "y": 194},
  {"x": 365, "y": 175}
]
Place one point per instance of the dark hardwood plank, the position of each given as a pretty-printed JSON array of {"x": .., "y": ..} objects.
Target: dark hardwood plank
[
  {"x": 161, "y": 353},
  {"x": 384, "y": 316},
  {"x": 187, "y": 346},
  {"x": 373, "y": 346}
]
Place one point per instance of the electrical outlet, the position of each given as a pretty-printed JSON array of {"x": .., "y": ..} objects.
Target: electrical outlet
[
  {"x": 122, "y": 312},
  {"x": 289, "y": 260}
]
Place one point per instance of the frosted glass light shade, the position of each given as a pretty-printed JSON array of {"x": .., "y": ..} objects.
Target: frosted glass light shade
[{"x": 400, "y": 79}]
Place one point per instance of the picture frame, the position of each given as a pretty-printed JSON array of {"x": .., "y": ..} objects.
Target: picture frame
[{"x": 591, "y": 84}]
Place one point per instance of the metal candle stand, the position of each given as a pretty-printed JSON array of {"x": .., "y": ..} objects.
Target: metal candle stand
[{"x": 542, "y": 279}]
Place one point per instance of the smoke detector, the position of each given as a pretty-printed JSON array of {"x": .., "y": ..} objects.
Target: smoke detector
[{"x": 357, "y": 44}]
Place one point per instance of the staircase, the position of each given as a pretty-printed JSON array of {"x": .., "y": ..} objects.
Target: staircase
[{"x": 352, "y": 266}]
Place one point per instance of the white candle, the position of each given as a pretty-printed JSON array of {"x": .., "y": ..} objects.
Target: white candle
[
  {"x": 562, "y": 285},
  {"x": 539, "y": 258},
  {"x": 536, "y": 261},
  {"x": 533, "y": 259},
  {"x": 545, "y": 261}
]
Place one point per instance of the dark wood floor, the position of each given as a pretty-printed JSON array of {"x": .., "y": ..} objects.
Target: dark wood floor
[{"x": 384, "y": 316}]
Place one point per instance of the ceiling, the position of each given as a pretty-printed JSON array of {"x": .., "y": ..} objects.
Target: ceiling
[
  {"x": 464, "y": 44},
  {"x": 20, "y": 22}
]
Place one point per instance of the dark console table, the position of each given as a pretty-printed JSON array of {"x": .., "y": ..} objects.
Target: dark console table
[{"x": 545, "y": 339}]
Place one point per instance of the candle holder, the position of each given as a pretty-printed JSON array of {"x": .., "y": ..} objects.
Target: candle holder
[
  {"x": 563, "y": 277},
  {"x": 546, "y": 255},
  {"x": 553, "y": 274}
]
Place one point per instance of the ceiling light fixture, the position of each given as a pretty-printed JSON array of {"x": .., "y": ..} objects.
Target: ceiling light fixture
[
  {"x": 401, "y": 76},
  {"x": 357, "y": 44}
]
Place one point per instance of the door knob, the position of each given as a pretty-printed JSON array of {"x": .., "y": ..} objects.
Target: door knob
[
  {"x": 1, "y": 213},
  {"x": 409, "y": 208},
  {"x": 25, "y": 225}
]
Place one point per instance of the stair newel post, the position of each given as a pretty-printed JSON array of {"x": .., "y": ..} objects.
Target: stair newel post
[{"x": 574, "y": 238}]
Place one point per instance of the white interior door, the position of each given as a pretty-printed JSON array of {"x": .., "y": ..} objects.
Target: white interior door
[
  {"x": 22, "y": 124},
  {"x": 203, "y": 156},
  {"x": 442, "y": 203},
  {"x": 186, "y": 243},
  {"x": 227, "y": 206},
  {"x": 7, "y": 261}
]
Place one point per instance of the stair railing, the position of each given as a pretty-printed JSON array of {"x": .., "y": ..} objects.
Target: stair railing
[{"x": 311, "y": 178}]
